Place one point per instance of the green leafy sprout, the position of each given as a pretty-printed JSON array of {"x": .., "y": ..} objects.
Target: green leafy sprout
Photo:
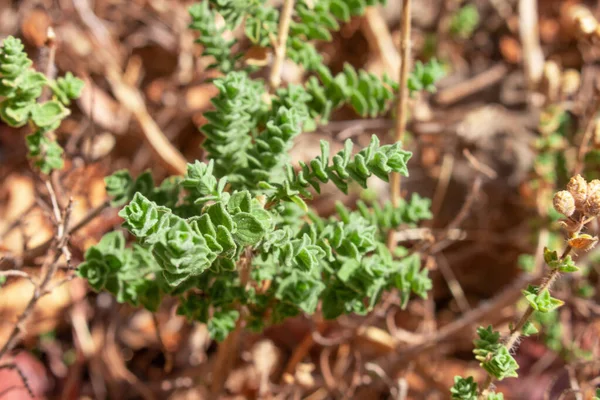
[
  {"x": 236, "y": 236},
  {"x": 21, "y": 88},
  {"x": 464, "y": 22}
]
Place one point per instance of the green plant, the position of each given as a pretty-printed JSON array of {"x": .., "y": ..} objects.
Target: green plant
[
  {"x": 20, "y": 89},
  {"x": 579, "y": 205},
  {"x": 234, "y": 239},
  {"x": 464, "y": 21}
]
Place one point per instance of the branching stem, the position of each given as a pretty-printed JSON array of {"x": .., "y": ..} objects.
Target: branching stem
[
  {"x": 515, "y": 332},
  {"x": 51, "y": 265}
]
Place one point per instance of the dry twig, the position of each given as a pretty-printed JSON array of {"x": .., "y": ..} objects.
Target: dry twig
[
  {"x": 58, "y": 248},
  {"x": 284, "y": 28},
  {"x": 402, "y": 106},
  {"x": 533, "y": 57}
]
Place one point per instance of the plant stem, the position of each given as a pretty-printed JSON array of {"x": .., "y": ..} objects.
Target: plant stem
[
  {"x": 515, "y": 332},
  {"x": 402, "y": 106},
  {"x": 282, "y": 36},
  {"x": 228, "y": 350}
]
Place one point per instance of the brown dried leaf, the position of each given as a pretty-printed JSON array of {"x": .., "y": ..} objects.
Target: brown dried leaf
[
  {"x": 511, "y": 49},
  {"x": 35, "y": 27}
]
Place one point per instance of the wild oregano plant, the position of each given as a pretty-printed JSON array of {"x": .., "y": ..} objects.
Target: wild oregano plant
[
  {"x": 234, "y": 238},
  {"x": 21, "y": 88},
  {"x": 579, "y": 205}
]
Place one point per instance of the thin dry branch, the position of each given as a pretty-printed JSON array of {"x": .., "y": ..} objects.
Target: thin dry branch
[
  {"x": 132, "y": 99},
  {"x": 32, "y": 254},
  {"x": 380, "y": 39},
  {"x": 284, "y": 28},
  {"x": 58, "y": 248},
  {"x": 15, "y": 367},
  {"x": 533, "y": 57},
  {"x": 458, "y": 92},
  {"x": 588, "y": 133},
  {"x": 402, "y": 106}
]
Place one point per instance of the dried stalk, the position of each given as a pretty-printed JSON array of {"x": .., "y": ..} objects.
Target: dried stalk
[
  {"x": 533, "y": 57},
  {"x": 229, "y": 348},
  {"x": 283, "y": 31},
  {"x": 402, "y": 107}
]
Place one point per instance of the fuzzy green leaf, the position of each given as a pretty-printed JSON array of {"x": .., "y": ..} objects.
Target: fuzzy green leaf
[
  {"x": 464, "y": 389},
  {"x": 249, "y": 229},
  {"x": 49, "y": 114}
]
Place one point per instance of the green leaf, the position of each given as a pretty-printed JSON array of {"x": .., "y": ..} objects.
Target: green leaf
[
  {"x": 529, "y": 329},
  {"x": 219, "y": 216},
  {"x": 348, "y": 269},
  {"x": 119, "y": 186},
  {"x": 67, "y": 88},
  {"x": 565, "y": 265},
  {"x": 464, "y": 21},
  {"x": 46, "y": 153},
  {"x": 550, "y": 256},
  {"x": 501, "y": 365},
  {"x": 542, "y": 302},
  {"x": 49, "y": 114},
  {"x": 526, "y": 262},
  {"x": 249, "y": 229},
  {"x": 464, "y": 389},
  {"x": 298, "y": 200},
  {"x": 222, "y": 323},
  {"x": 424, "y": 76},
  {"x": 239, "y": 201}
]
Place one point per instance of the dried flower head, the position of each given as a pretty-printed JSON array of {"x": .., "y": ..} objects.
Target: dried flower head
[
  {"x": 583, "y": 242},
  {"x": 592, "y": 204},
  {"x": 578, "y": 187},
  {"x": 570, "y": 82},
  {"x": 564, "y": 203},
  {"x": 594, "y": 186}
]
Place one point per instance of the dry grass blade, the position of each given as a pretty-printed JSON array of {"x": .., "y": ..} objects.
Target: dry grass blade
[{"x": 132, "y": 99}]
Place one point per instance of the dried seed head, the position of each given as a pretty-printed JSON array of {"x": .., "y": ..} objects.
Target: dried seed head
[
  {"x": 578, "y": 187},
  {"x": 592, "y": 205},
  {"x": 570, "y": 82},
  {"x": 583, "y": 242},
  {"x": 550, "y": 84},
  {"x": 593, "y": 186},
  {"x": 564, "y": 203},
  {"x": 596, "y": 136}
]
